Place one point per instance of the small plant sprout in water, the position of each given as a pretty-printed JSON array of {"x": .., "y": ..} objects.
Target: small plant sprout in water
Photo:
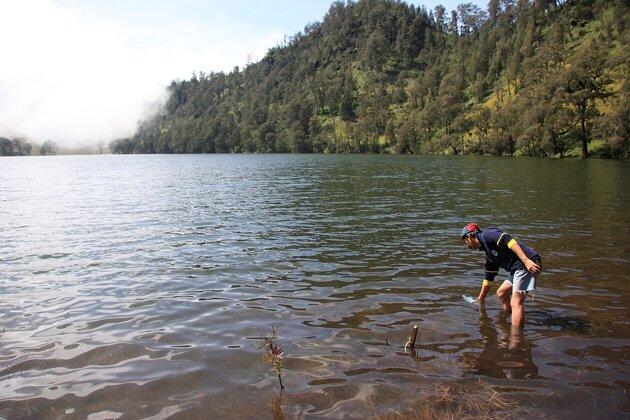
[{"x": 272, "y": 353}]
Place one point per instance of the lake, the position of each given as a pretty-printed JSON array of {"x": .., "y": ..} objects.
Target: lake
[{"x": 139, "y": 286}]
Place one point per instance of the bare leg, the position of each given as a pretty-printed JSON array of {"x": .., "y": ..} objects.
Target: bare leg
[
  {"x": 516, "y": 337},
  {"x": 518, "y": 312},
  {"x": 503, "y": 293}
]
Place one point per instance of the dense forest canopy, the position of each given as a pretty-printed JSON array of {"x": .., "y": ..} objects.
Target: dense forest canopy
[{"x": 539, "y": 78}]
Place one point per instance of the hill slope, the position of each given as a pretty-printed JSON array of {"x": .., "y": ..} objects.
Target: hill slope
[{"x": 537, "y": 78}]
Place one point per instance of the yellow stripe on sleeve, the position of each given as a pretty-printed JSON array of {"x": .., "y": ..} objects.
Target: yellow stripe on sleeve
[
  {"x": 511, "y": 243},
  {"x": 486, "y": 282}
]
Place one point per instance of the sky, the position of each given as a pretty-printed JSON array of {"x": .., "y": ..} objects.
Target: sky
[{"x": 82, "y": 71}]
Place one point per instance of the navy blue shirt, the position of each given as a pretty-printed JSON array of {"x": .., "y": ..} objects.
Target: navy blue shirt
[{"x": 496, "y": 245}]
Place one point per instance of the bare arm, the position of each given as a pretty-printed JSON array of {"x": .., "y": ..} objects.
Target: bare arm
[
  {"x": 531, "y": 266},
  {"x": 490, "y": 270}
]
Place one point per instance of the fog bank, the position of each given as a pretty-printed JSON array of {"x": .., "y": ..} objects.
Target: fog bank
[{"x": 77, "y": 79}]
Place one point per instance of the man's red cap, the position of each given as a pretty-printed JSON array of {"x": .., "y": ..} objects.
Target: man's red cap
[{"x": 470, "y": 228}]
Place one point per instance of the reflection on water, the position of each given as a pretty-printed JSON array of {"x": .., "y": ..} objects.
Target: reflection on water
[
  {"x": 136, "y": 285},
  {"x": 276, "y": 407},
  {"x": 506, "y": 352}
]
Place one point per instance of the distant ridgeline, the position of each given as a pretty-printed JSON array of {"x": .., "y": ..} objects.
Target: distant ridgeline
[{"x": 542, "y": 78}]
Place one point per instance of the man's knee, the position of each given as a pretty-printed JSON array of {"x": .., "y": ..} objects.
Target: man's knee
[{"x": 502, "y": 293}]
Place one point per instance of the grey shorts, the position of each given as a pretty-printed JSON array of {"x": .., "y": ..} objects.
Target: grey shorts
[{"x": 522, "y": 281}]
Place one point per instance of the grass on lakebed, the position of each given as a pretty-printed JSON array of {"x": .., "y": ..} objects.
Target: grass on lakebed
[{"x": 457, "y": 401}]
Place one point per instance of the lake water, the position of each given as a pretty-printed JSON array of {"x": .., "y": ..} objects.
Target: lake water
[{"x": 136, "y": 286}]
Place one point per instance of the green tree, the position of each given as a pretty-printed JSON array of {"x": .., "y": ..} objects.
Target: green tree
[
  {"x": 14, "y": 147},
  {"x": 348, "y": 98},
  {"x": 48, "y": 148},
  {"x": 585, "y": 82}
]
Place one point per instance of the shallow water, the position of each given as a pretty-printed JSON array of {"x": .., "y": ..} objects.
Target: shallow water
[{"x": 135, "y": 286}]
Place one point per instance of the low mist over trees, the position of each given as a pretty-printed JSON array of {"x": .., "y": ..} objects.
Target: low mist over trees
[
  {"x": 28, "y": 147},
  {"x": 14, "y": 147},
  {"x": 539, "y": 78},
  {"x": 48, "y": 148}
]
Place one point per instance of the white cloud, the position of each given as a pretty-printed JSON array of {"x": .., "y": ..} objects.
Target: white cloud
[{"x": 77, "y": 79}]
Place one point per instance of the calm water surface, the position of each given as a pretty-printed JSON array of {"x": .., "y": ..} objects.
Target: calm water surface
[{"x": 135, "y": 286}]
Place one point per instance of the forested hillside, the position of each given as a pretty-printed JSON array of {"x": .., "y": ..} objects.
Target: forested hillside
[{"x": 541, "y": 78}]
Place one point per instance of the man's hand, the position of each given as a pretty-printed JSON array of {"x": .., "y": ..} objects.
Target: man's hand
[
  {"x": 532, "y": 267},
  {"x": 485, "y": 288}
]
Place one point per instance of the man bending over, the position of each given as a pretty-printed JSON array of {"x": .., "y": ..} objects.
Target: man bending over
[{"x": 520, "y": 261}]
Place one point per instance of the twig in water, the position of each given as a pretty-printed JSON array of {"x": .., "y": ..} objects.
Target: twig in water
[{"x": 411, "y": 341}]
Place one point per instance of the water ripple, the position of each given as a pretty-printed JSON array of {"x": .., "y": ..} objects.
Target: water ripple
[{"x": 136, "y": 286}]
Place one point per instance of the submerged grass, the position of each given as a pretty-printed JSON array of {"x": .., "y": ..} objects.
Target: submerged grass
[{"x": 461, "y": 401}]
